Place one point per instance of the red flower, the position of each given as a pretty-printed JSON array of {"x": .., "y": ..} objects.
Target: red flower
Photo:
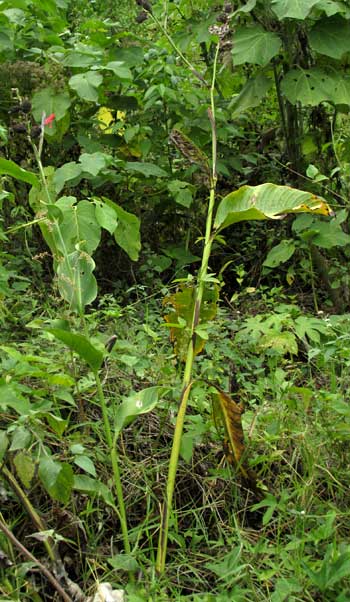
[{"x": 48, "y": 121}]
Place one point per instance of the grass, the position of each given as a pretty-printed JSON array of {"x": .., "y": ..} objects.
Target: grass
[{"x": 291, "y": 543}]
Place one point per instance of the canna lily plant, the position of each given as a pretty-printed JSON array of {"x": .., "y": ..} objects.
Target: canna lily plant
[{"x": 194, "y": 306}]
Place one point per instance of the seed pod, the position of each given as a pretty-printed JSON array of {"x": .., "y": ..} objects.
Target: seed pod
[
  {"x": 141, "y": 17},
  {"x": 19, "y": 128},
  {"x": 35, "y": 131},
  {"x": 145, "y": 4},
  {"x": 26, "y": 106}
]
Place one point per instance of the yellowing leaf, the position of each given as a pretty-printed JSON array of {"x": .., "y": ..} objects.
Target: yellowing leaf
[
  {"x": 230, "y": 413},
  {"x": 105, "y": 119}
]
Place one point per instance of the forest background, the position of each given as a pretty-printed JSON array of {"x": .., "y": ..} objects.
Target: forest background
[{"x": 174, "y": 292}]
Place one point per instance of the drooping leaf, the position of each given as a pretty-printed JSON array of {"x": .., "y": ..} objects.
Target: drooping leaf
[
  {"x": 266, "y": 201},
  {"x": 86, "y": 84},
  {"x": 230, "y": 414},
  {"x": 292, "y": 9},
  {"x": 331, "y": 37},
  {"x": 9, "y": 168},
  {"x": 251, "y": 94},
  {"x": 127, "y": 232},
  {"x": 254, "y": 45},
  {"x": 81, "y": 345},
  {"x": 280, "y": 254},
  {"x": 180, "y": 317}
]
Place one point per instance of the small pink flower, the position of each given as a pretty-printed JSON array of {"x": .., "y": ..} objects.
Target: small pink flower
[{"x": 48, "y": 121}]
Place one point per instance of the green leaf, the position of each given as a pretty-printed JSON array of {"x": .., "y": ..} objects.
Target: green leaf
[
  {"x": 329, "y": 234},
  {"x": 79, "y": 226},
  {"x": 10, "y": 168},
  {"x": 127, "y": 232},
  {"x": 4, "y": 443},
  {"x": 93, "y": 163},
  {"x": 331, "y": 37},
  {"x": 123, "y": 562},
  {"x": 280, "y": 254},
  {"x": 251, "y": 94},
  {"x": 181, "y": 192},
  {"x": 21, "y": 439},
  {"x": 25, "y": 467},
  {"x": 88, "y": 485},
  {"x": 119, "y": 69},
  {"x": 313, "y": 86},
  {"x": 86, "y": 84},
  {"x": 69, "y": 171},
  {"x": 106, "y": 216},
  {"x": 139, "y": 403},
  {"x": 57, "y": 479},
  {"x": 75, "y": 279},
  {"x": 254, "y": 45},
  {"x": 86, "y": 464},
  {"x": 267, "y": 201},
  {"x": 81, "y": 345},
  {"x": 50, "y": 101},
  {"x": 146, "y": 169},
  {"x": 292, "y": 9}
]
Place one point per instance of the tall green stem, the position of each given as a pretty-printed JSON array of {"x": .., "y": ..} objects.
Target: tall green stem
[
  {"x": 188, "y": 370},
  {"x": 113, "y": 453}
]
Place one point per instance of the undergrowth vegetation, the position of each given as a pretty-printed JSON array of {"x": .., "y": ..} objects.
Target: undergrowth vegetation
[{"x": 174, "y": 290}]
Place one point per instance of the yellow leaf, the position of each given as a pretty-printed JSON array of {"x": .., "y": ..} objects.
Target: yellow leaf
[
  {"x": 105, "y": 119},
  {"x": 230, "y": 413}
]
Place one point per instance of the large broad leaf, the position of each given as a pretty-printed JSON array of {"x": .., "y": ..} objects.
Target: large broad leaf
[
  {"x": 93, "y": 163},
  {"x": 50, "y": 101},
  {"x": 127, "y": 232},
  {"x": 75, "y": 279},
  {"x": 9, "y": 168},
  {"x": 86, "y": 84},
  {"x": 139, "y": 403},
  {"x": 229, "y": 413},
  {"x": 254, "y": 45},
  {"x": 312, "y": 86},
  {"x": 119, "y": 69},
  {"x": 251, "y": 94},
  {"x": 267, "y": 201},
  {"x": 57, "y": 478},
  {"x": 81, "y": 345},
  {"x": 79, "y": 225},
  {"x": 292, "y": 9},
  {"x": 180, "y": 317},
  {"x": 68, "y": 172},
  {"x": 331, "y": 37},
  {"x": 106, "y": 216}
]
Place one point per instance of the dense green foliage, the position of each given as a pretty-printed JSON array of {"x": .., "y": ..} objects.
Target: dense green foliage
[{"x": 174, "y": 285}]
